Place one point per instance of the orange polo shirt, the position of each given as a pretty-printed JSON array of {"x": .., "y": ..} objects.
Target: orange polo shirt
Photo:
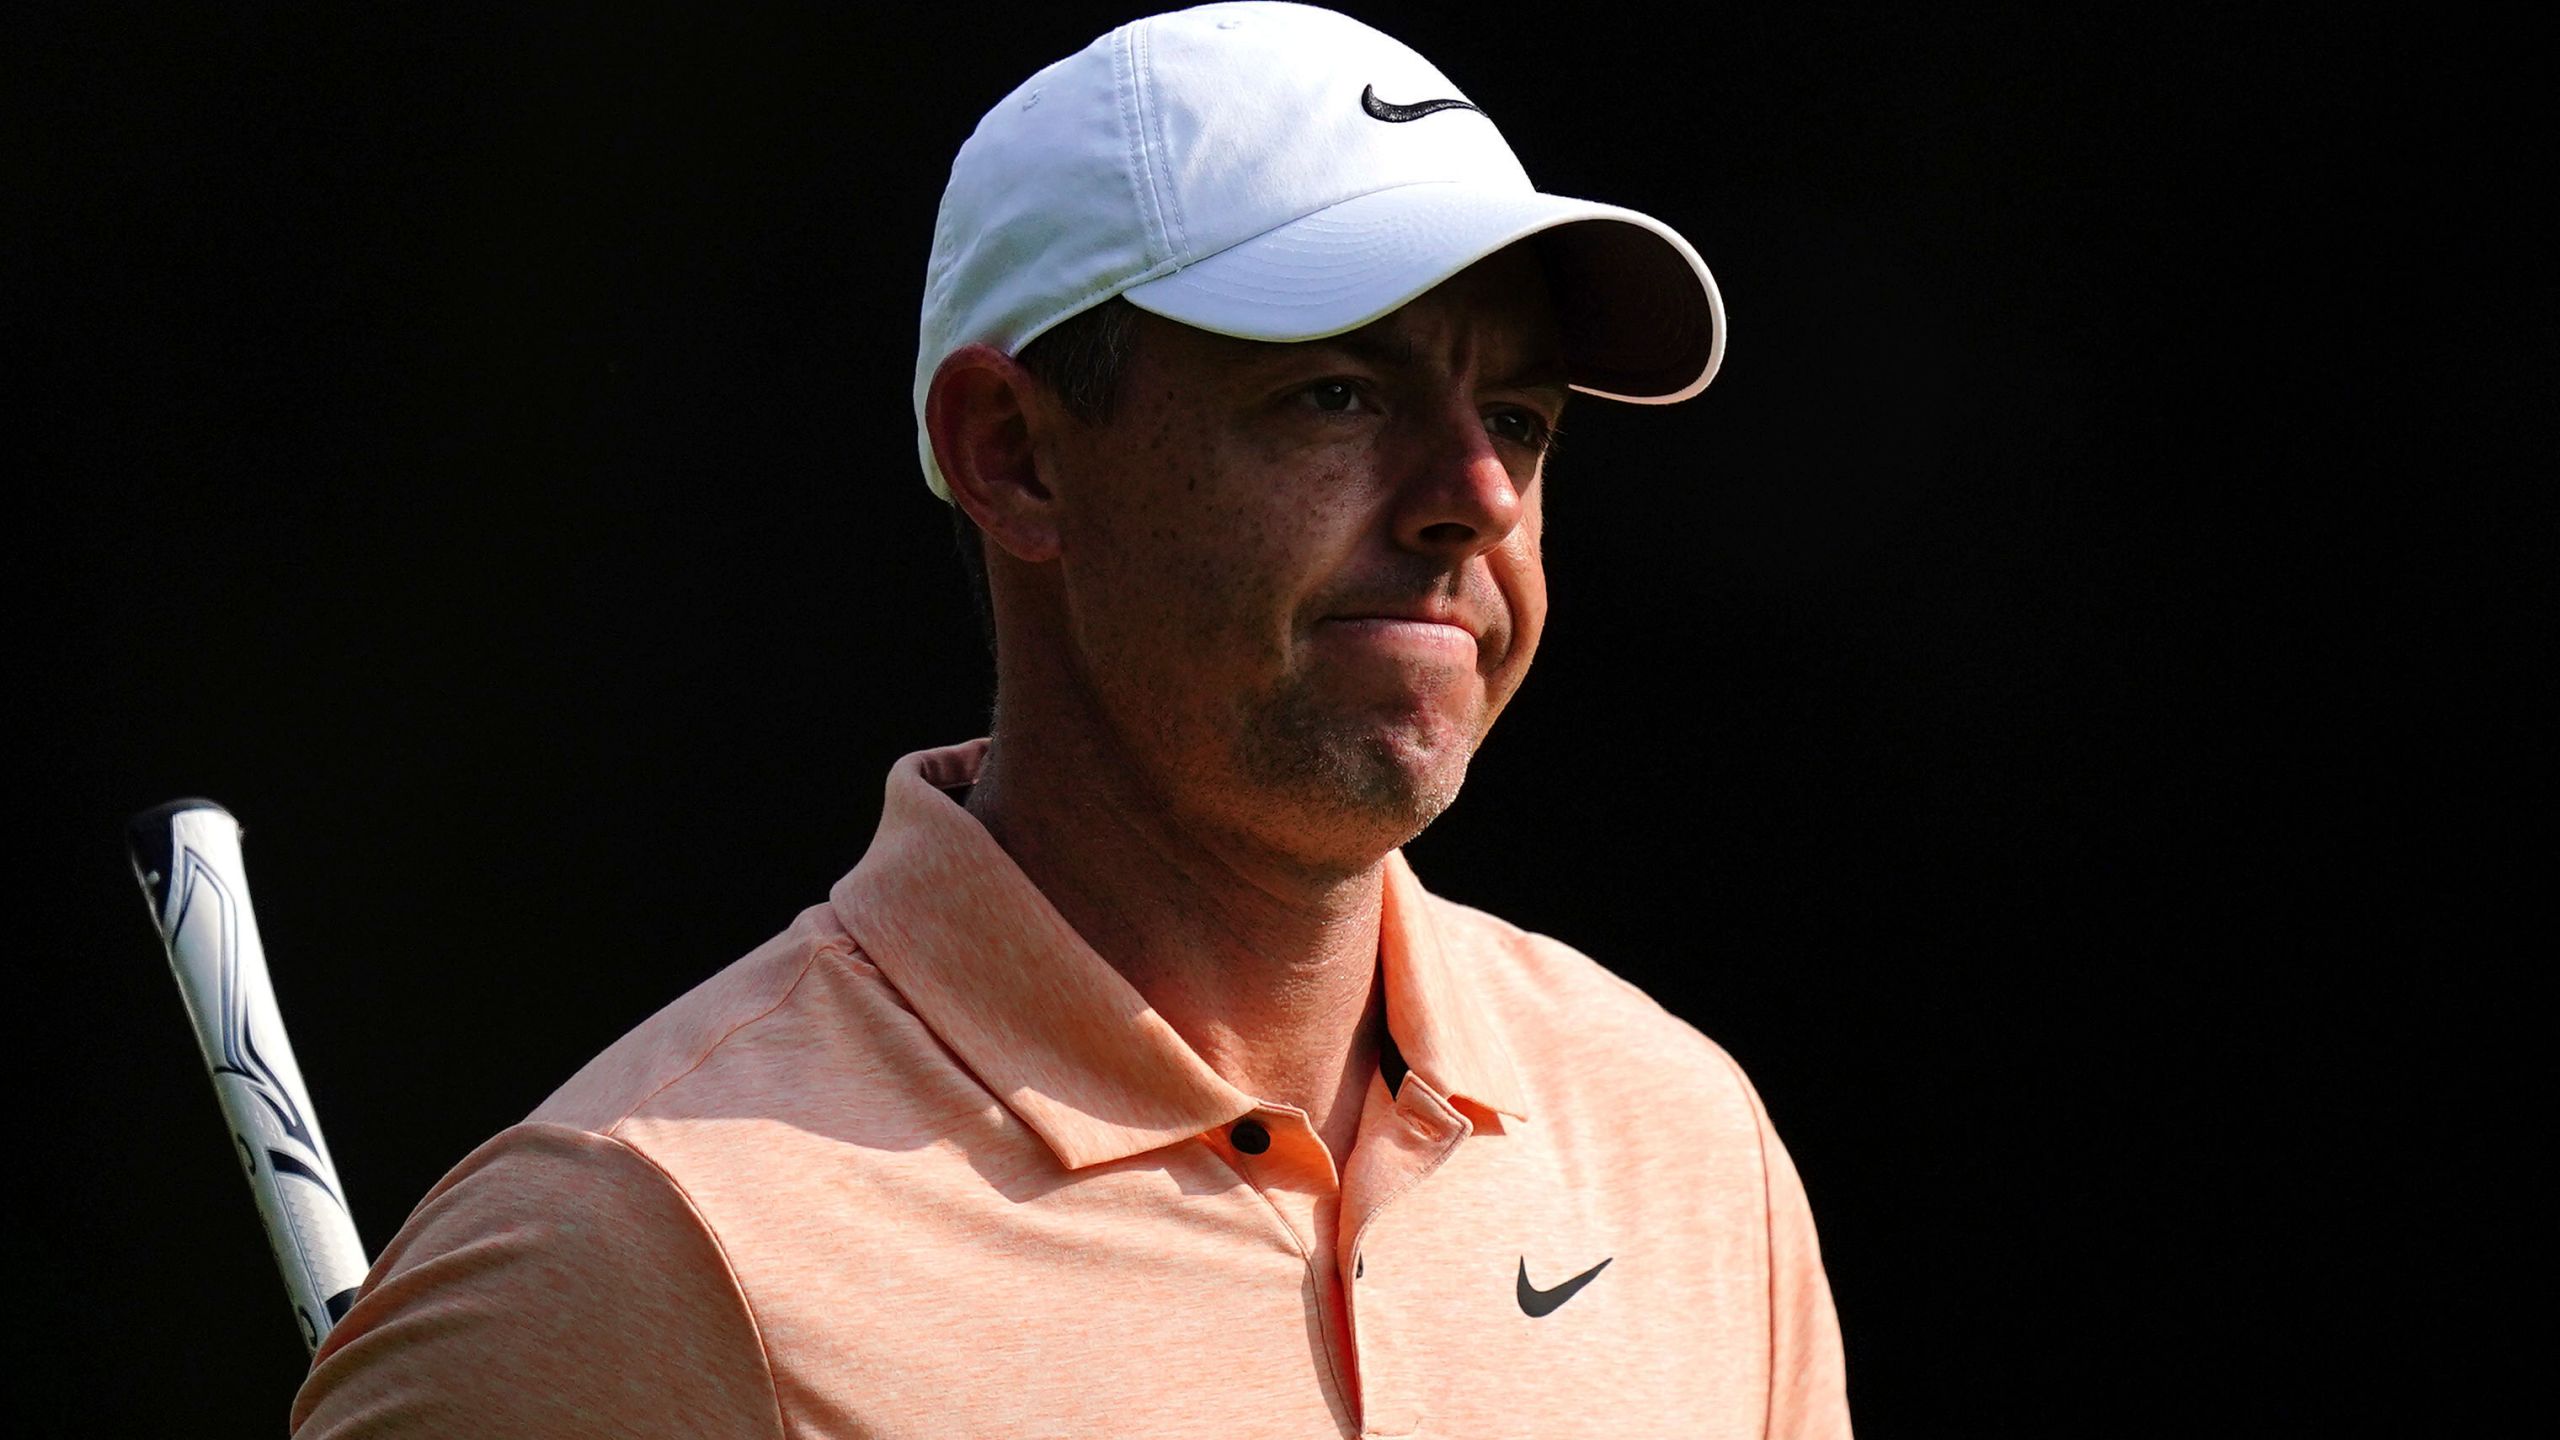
[{"x": 926, "y": 1165}]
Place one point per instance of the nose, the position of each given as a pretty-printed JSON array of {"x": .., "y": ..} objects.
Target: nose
[{"x": 1460, "y": 499}]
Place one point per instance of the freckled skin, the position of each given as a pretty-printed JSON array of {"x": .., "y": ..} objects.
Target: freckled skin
[{"x": 1246, "y": 498}]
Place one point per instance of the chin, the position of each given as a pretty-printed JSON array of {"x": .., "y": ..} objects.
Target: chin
[
  {"x": 1370, "y": 786},
  {"x": 1423, "y": 772}
]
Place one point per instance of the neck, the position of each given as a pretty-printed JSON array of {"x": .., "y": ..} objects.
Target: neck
[{"x": 1267, "y": 969}]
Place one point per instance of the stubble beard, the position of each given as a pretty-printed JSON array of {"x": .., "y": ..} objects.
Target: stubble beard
[{"x": 1354, "y": 785}]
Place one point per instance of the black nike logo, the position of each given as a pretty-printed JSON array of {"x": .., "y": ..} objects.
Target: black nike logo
[
  {"x": 1535, "y": 1302},
  {"x": 1395, "y": 114}
]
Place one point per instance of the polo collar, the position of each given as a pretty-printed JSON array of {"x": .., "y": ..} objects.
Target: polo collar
[
  {"x": 1439, "y": 1020},
  {"x": 1053, "y": 1030}
]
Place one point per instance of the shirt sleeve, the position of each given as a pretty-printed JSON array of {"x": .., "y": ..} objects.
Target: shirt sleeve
[
  {"x": 555, "y": 1284},
  {"x": 1808, "y": 1377}
]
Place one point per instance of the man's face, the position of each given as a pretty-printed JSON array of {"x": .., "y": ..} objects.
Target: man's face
[{"x": 1299, "y": 581}]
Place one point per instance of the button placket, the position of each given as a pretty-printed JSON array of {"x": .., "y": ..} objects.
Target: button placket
[
  {"x": 1277, "y": 1151},
  {"x": 1410, "y": 1141}
]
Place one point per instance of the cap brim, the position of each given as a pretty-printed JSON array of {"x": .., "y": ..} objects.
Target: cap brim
[{"x": 1641, "y": 316}]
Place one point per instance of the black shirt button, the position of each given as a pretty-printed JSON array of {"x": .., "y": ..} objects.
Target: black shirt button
[{"x": 1250, "y": 1137}]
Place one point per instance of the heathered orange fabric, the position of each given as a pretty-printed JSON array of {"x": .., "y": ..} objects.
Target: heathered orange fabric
[{"x": 925, "y": 1165}]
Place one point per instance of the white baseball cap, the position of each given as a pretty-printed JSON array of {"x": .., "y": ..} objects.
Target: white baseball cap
[{"x": 1280, "y": 172}]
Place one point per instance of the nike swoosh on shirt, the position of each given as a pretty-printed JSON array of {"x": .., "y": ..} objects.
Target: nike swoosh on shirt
[
  {"x": 1535, "y": 1302},
  {"x": 1395, "y": 114}
]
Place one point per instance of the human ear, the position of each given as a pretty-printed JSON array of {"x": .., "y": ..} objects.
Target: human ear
[{"x": 980, "y": 413}]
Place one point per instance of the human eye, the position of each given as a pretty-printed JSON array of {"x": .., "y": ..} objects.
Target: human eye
[
  {"x": 1520, "y": 426},
  {"x": 1333, "y": 396}
]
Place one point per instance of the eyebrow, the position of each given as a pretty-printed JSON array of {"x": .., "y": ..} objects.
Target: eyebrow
[{"x": 1384, "y": 348}]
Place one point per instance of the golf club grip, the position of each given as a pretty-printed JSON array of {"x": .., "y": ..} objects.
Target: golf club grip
[{"x": 187, "y": 856}]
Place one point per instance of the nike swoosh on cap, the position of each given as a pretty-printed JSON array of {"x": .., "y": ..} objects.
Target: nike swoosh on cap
[
  {"x": 1535, "y": 1302},
  {"x": 1395, "y": 114}
]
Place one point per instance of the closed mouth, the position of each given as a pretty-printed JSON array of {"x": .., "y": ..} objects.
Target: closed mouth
[
  {"x": 1408, "y": 633},
  {"x": 1384, "y": 619}
]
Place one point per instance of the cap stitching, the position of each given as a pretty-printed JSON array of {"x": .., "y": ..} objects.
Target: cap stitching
[
  {"x": 1133, "y": 121},
  {"x": 1168, "y": 199}
]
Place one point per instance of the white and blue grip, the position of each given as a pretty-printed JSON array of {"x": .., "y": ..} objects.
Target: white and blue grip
[{"x": 187, "y": 856}]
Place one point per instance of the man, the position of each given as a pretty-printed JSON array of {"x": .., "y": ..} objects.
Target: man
[{"x": 1132, "y": 1083}]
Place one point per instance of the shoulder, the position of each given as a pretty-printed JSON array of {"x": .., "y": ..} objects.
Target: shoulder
[
  {"x": 587, "y": 1261},
  {"x": 1571, "y": 1022},
  {"x": 697, "y": 1039},
  {"x": 543, "y": 1283}
]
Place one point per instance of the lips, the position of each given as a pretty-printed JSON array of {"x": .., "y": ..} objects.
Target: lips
[
  {"x": 1447, "y": 623},
  {"x": 1436, "y": 636},
  {"x": 1415, "y": 621},
  {"x": 1404, "y": 634}
]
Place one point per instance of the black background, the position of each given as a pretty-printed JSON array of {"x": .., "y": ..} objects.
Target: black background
[{"x": 2057, "y": 709}]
